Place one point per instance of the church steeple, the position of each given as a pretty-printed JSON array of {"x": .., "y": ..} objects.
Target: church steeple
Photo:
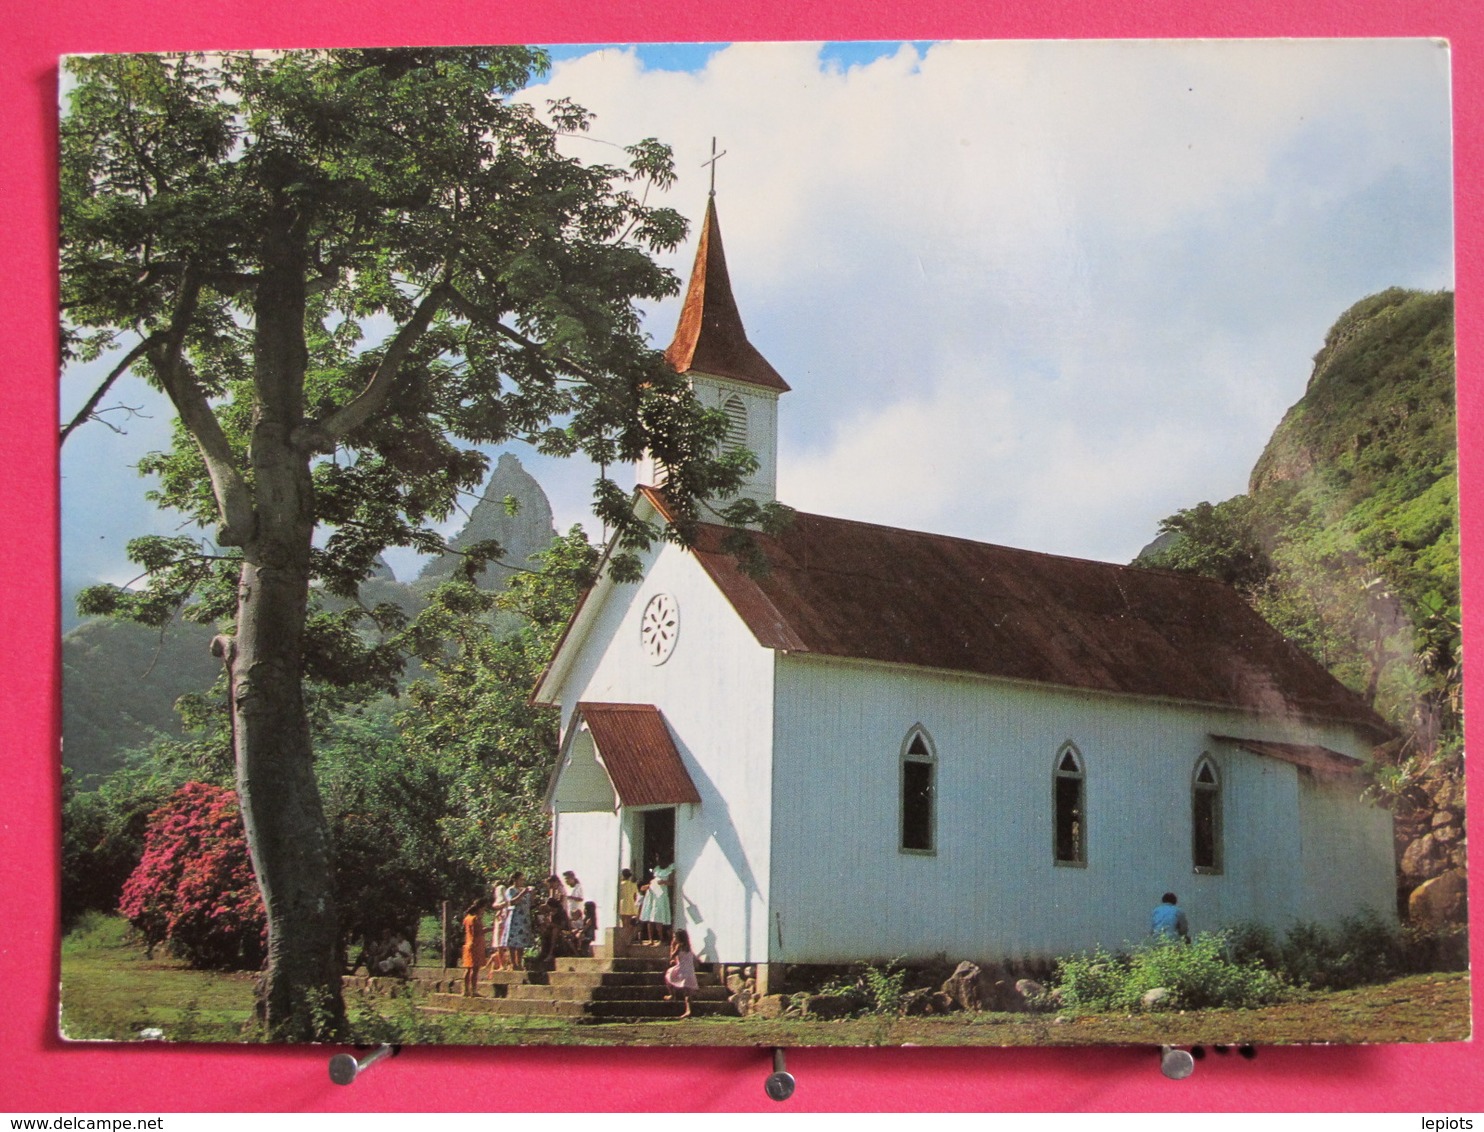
[
  {"x": 725, "y": 370},
  {"x": 710, "y": 338}
]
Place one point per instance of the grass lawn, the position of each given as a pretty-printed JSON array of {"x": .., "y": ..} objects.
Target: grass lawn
[{"x": 111, "y": 991}]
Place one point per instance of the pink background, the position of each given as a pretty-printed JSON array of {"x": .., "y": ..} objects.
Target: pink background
[{"x": 42, "y": 1074}]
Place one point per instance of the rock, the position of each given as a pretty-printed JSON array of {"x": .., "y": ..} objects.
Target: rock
[
  {"x": 1444, "y": 817},
  {"x": 1448, "y": 794},
  {"x": 828, "y": 1006},
  {"x": 770, "y": 1006},
  {"x": 1029, "y": 988},
  {"x": 742, "y": 1003},
  {"x": 1423, "y": 857},
  {"x": 962, "y": 987},
  {"x": 926, "y": 1001},
  {"x": 744, "y": 994},
  {"x": 1441, "y": 900},
  {"x": 529, "y": 531},
  {"x": 1157, "y": 998}
]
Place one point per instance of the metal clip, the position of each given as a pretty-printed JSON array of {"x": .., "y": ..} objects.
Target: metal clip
[
  {"x": 780, "y": 1084},
  {"x": 344, "y": 1068}
]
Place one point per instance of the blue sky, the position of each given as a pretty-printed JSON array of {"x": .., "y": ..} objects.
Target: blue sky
[
  {"x": 694, "y": 57},
  {"x": 1042, "y": 294}
]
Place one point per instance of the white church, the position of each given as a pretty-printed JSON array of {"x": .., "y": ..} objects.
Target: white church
[{"x": 900, "y": 744}]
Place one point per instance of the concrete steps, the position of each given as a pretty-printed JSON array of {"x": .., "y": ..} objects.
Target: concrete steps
[
  {"x": 612, "y": 1010},
  {"x": 624, "y": 987}
]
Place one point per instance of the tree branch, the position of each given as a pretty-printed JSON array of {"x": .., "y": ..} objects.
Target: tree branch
[
  {"x": 233, "y": 498},
  {"x": 473, "y": 312},
  {"x": 145, "y": 344},
  {"x": 321, "y": 436}
]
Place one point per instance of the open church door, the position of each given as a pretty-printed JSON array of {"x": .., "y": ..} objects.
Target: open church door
[
  {"x": 654, "y": 841},
  {"x": 653, "y": 847}
]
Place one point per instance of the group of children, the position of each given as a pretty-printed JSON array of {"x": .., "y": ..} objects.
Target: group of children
[
  {"x": 566, "y": 925},
  {"x": 556, "y": 919}
]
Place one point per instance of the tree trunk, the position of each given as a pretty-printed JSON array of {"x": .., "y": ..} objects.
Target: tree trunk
[{"x": 299, "y": 998}]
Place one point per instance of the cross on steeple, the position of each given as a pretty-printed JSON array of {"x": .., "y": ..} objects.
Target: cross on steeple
[{"x": 715, "y": 157}]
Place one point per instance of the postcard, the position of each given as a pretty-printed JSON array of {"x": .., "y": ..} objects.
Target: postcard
[{"x": 1006, "y": 592}]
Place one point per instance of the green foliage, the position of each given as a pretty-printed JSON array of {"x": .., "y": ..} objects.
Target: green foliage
[
  {"x": 120, "y": 682},
  {"x": 1090, "y": 980},
  {"x": 471, "y": 721},
  {"x": 103, "y": 838},
  {"x": 1359, "y": 950},
  {"x": 1223, "y": 541},
  {"x": 243, "y": 222},
  {"x": 868, "y": 990},
  {"x": 887, "y": 988},
  {"x": 1197, "y": 975},
  {"x": 387, "y": 813},
  {"x": 423, "y": 194}
]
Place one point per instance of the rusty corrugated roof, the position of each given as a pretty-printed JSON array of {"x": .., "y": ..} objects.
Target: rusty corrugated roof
[
  {"x": 840, "y": 588},
  {"x": 636, "y": 747},
  {"x": 710, "y": 338},
  {"x": 1311, "y": 757}
]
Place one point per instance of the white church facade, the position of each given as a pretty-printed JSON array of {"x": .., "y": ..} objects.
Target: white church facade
[{"x": 899, "y": 744}]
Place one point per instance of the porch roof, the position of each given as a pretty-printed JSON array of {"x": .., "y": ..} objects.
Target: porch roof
[
  {"x": 1306, "y": 756},
  {"x": 639, "y": 754}
]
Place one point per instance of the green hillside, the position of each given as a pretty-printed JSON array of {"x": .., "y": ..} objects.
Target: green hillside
[{"x": 120, "y": 681}]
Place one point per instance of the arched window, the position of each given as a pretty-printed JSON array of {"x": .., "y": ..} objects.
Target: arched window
[
  {"x": 1069, "y": 807},
  {"x": 919, "y": 793},
  {"x": 1205, "y": 816},
  {"x": 736, "y": 413}
]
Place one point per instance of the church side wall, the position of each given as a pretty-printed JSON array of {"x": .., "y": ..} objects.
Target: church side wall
[
  {"x": 715, "y": 691},
  {"x": 843, "y": 890},
  {"x": 1338, "y": 842}
]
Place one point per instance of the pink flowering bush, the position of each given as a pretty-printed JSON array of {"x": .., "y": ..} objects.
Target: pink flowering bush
[{"x": 194, "y": 888}]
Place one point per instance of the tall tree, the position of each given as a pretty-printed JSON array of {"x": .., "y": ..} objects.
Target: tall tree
[{"x": 347, "y": 269}]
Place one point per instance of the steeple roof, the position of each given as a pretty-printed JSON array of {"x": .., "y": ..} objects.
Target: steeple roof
[{"x": 710, "y": 338}]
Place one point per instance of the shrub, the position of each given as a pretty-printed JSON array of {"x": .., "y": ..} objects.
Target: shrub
[
  {"x": 1251, "y": 942},
  {"x": 874, "y": 990},
  {"x": 1359, "y": 949},
  {"x": 1444, "y": 948},
  {"x": 1091, "y": 980},
  {"x": 194, "y": 887},
  {"x": 1197, "y": 975},
  {"x": 887, "y": 988}
]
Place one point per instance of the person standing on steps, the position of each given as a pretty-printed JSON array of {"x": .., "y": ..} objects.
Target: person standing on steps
[
  {"x": 574, "y": 897},
  {"x": 628, "y": 900},
  {"x": 473, "y": 957},
  {"x": 517, "y": 935},
  {"x": 655, "y": 914}
]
